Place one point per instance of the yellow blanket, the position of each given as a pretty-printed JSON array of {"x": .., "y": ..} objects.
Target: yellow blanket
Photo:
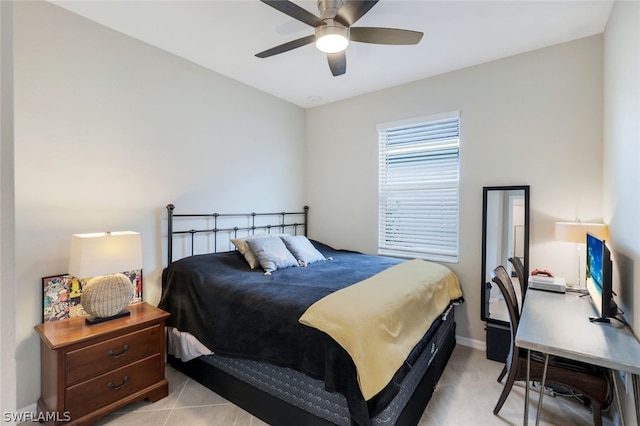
[{"x": 378, "y": 321}]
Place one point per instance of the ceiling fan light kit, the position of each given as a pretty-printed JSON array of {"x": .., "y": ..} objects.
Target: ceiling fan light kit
[
  {"x": 332, "y": 38},
  {"x": 333, "y": 30}
]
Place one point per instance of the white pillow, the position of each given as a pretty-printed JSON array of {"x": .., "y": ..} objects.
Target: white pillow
[
  {"x": 243, "y": 248},
  {"x": 271, "y": 253},
  {"x": 302, "y": 249}
]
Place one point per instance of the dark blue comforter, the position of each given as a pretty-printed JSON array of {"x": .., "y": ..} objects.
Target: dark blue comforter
[{"x": 240, "y": 312}]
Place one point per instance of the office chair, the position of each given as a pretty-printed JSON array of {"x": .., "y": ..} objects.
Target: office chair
[{"x": 586, "y": 379}]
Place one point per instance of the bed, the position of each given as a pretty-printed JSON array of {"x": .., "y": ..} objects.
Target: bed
[{"x": 261, "y": 337}]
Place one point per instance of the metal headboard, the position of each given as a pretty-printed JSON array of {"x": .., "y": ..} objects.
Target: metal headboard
[{"x": 279, "y": 220}]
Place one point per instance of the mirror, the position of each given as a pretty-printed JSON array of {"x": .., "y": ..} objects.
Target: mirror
[{"x": 505, "y": 234}]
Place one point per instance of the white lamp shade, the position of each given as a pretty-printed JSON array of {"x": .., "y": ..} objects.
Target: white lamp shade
[
  {"x": 104, "y": 253},
  {"x": 576, "y": 232}
]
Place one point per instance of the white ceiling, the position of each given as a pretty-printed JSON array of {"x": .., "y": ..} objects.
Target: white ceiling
[{"x": 224, "y": 36}]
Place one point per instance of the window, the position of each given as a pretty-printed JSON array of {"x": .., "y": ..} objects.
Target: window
[{"x": 418, "y": 191}]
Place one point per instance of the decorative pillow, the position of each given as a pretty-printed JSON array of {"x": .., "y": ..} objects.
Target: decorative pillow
[
  {"x": 271, "y": 253},
  {"x": 302, "y": 249},
  {"x": 243, "y": 248}
]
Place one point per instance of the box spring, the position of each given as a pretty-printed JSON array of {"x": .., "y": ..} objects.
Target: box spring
[{"x": 282, "y": 396}]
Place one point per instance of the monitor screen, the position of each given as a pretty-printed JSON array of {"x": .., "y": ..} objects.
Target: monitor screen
[
  {"x": 594, "y": 262},
  {"x": 599, "y": 278}
]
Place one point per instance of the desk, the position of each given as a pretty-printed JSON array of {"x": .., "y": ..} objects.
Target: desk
[{"x": 558, "y": 324}]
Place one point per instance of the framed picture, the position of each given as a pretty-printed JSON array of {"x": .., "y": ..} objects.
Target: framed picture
[{"x": 61, "y": 295}]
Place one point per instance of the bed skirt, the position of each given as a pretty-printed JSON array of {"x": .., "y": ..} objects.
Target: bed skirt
[{"x": 282, "y": 396}]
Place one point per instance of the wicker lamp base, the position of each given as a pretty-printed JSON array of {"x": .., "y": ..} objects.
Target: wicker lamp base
[{"x": 105, "y": 297}]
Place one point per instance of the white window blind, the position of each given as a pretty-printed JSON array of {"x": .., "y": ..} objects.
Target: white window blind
[{"x": 419, "y": 188}]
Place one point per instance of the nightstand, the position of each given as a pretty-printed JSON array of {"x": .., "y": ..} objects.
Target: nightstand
[{"x": 91, "y": 370}]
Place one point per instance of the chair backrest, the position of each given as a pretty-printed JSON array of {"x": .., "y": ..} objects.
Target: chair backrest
[
  {"x": 522, "y": 275},
  {"x": 500, "y": 276}
]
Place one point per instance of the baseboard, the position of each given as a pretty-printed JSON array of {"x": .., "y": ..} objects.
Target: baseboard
[
  {"x": 28, "y": 414},
  {"x": 29, "y": 408},
  {"x": 472, "y": 343}
]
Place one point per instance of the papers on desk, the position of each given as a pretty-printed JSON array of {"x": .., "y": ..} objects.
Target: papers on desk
[{"x": 541, "y": 282}]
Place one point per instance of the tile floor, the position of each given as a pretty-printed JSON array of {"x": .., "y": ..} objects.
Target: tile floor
[{"x": 465, "y": 395}]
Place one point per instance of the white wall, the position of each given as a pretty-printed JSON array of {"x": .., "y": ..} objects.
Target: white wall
[
  {"x": 109, "y": 130},
  {"x": 7, "y": 215},
  {"x": 531, "y": 119},
  {"x": 622, "y": 149},
  {"x": 621, "y": 157}
]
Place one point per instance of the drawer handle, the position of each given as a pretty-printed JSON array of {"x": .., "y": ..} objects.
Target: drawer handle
[
  {"x": 125, "y": 379},
  {"x": 113, "y": 354}
]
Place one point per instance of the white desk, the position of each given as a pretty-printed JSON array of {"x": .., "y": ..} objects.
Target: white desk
[{"x": 558, "y": 324}]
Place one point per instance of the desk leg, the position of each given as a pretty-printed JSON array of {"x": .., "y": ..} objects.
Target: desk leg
[
  {"x": 526, "y": 390},
  {"x": 636, "y": 387},
  {"x": 544, "y": 378},
  {"x": 616, "y": 395}
]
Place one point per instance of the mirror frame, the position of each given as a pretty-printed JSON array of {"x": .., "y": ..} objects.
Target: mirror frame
[{"x": 487, "y": 285}]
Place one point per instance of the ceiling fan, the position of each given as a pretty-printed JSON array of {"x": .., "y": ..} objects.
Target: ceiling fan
[{"x": 333, "y": 30}]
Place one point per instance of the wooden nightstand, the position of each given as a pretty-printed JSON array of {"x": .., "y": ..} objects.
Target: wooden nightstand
[{"x": 89, "y": 371}]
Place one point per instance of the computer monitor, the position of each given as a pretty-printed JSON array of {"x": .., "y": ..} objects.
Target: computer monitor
[{"x": 600, "y": 278}]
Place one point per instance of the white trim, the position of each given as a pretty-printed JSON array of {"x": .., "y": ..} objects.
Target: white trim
[
  {"x": 472, "y": 343},
  {"x": 29, "y": 408},
  {"x": 417, "y": 120}
]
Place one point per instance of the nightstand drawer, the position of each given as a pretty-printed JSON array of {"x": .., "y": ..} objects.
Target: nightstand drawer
[
  {"x": 94, "y": 360},
  {"x": 113, "y": 386}
]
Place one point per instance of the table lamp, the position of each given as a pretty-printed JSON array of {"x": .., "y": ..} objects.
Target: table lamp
[
  {"x": 576, "y": 232},
  {"x": 103, "y": 257}
]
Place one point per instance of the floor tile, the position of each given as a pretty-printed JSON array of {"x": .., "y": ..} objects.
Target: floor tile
[
  {"x": 139, "y": 418},
  {"x": 195, "y": 395},
  {"x": 465, "y": 396},
  {"x": 213, "y": 415}
]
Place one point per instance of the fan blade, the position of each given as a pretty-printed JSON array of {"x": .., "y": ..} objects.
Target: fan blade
[
  {"x": 295, "y": 11},
  {"x": 352, "y": 10},
  {"x": 384, "y": 35},
  {"x": 337, "y": 63},
  {"x": 287, "y": 46}
]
